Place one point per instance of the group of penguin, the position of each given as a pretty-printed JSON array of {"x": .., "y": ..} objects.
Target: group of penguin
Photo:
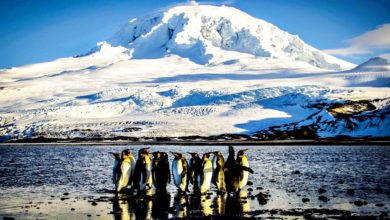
[{"x": 228, "y": 176}]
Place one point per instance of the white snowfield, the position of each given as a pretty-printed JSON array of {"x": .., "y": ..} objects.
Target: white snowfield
[{"x": 193, "y": 70}]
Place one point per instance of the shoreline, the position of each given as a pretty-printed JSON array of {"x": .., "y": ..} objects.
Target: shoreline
[
  {"x": 204, "y": 143},
  {"x": 311, "y": 182}
]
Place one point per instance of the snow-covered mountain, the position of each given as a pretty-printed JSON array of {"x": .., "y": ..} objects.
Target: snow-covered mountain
[
  {"x": 196, "y": 70},
  {"x": 213, "y": 35}
]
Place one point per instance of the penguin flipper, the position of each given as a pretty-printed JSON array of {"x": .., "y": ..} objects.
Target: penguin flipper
[
  {"x": 154, "y": 174},
  {"x": 144, "y": 176},
  {"x": 247, "y": 169},
  {"x": 168, "y": 172}
]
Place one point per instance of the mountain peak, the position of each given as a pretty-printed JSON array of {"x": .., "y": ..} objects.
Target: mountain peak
[
  {"x": 208, "y": 34},
  {"x": 375, "y": 64}
]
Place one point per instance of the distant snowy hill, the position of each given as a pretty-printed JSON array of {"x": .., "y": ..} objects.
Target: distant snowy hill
[
  {"x": 196, "y": 70},
  {"x": 376, "y": 64}
]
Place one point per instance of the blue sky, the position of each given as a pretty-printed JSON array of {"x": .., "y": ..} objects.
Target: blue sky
[{"x": 42, "y": 30}]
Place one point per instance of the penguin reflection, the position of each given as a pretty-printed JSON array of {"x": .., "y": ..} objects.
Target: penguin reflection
[
  {"x": 244, "y": 201},
  {"x": 219, "y": 204},
  {"x": 194, "y": 202},
  {"x": 199, "y": 203},
  {"x": 181, "y": 205},
  {"x": 162, "y": 202},
  {"x": 123, "y": 208},
  {"x": 144, "y": 205},
  {"x": 237, "y": 205},
  {"x": 205, "y": 205}
]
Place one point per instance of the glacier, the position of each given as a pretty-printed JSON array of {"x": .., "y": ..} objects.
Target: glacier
[{"x": 196, "y": 71}]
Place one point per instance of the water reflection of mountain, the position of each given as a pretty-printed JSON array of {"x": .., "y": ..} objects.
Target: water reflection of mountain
[{"x": 161, "y": 205}]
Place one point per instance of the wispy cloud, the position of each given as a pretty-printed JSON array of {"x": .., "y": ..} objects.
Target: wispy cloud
[
  {"x": 385, "y": 55},
  {"x": 229, "y": 2},
  {"x": 224, "y": 2},
  {"x": 189, "y": 2},
  {"x": 377, "y": 39}
]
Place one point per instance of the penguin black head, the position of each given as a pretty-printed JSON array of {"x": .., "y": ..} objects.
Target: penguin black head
[
  {"x": 206, "y": 156},
  {"x": 177, "y": 155},
  {"x": 164, "y": 155},
  {"x": 116, "y": 155},
  {"x": 125, "y": 153},
  {"x": 194, "y": 155},
  {"x": 240, "y": 153},
  {"x": 231, "y": 150},
  {"x": 156, "y": 154},
  {"x": 217, "y": 153},
  {"x": 143, "y": 151}
]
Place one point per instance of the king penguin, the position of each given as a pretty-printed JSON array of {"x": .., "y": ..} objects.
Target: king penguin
[
  {"x": 204, "y": 180},
  {"x": 195, "y": 169},
  {"x": 218, "y": 171},
  {"x": 160, "y": 171},
  {"x": 126, "y": 171},
  {"x": 142, "y": 172},
  {"x": 146, "y": 180},
  {"x": 180, "y": 172},
  {"x": 232, "y": 172},
  {"x": 242, "y": 160},
  {"x": 116, "y": 171}
]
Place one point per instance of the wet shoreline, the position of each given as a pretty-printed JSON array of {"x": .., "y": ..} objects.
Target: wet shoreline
[
  {"x": 164, "y": 205},
  {"x": 73, "y": 182},
  {"x": 309, "y": 142}
]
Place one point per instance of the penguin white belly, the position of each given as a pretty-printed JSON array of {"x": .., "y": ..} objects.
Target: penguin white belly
[
  {"x": 220, "y": 179},
  {"x": 125, "y": 175},
  {"x": 244, "y": 174},
  {"x": 147, "y": 182},
  {"x": 206, "y": 177},
  {"x": 177, "y": 169},
  {"x": 214, "y": 163}
]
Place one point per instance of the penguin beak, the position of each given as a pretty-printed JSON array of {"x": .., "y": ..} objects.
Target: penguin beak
[
  {"x": 242, "y": 151},
  {"x": 144, "y": 149}
]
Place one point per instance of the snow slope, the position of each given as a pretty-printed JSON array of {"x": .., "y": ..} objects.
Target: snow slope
[
  {"x": 212, "y": 35},
  {"x": 186, "y": 71}
]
